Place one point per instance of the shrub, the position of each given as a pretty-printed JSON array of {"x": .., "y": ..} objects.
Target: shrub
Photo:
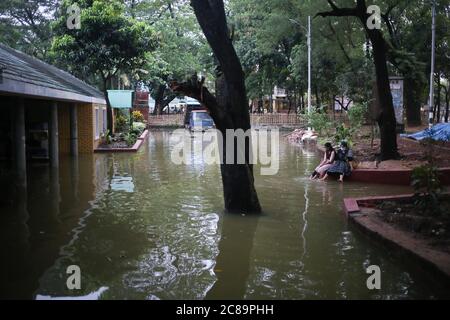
[
  {"x": 137, "y": 116},
  {"x": 121, "y": 123},
  {"x": 425, "y": 181},
  {"x": 343, "y": 134},
  {"x": 130, "y": 139},
  {"x": 139, "y": 127},
  {"x": 106, "y": 137},
  {"x": 319, "y": 121},
  {"x": 357, "y": 114}
]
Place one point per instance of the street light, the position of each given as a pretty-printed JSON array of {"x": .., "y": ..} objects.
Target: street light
[
  {"x": 308, "y": 31},
  {"x": 433, "y": 55}
]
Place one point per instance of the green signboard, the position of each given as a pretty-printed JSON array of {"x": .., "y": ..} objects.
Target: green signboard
[{"x": 121, "y": 99}]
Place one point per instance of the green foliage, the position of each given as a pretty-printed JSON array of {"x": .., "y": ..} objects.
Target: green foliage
[
  {"x": 121, "y": 123},
  {"x": 108, "y": 42},
  {"x": 106, "y": 137},
  {"x": 137, "y": 116},
  {"x": 130, "y": 139},
  {"x": 427, "y": 186},
  {"x": 182, "y": 49},
  {"x": 344, "y": 134},
  {"x": 26, "y": 25},
  {"x": 357, "y": 114},
  {"x": 319, "y": 121},
  {"x": 425, "y": 180},
  {"x": 138, "y": 128}
]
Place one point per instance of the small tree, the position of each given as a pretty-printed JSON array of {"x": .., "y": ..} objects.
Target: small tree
[{"x": 107, "y": 43}]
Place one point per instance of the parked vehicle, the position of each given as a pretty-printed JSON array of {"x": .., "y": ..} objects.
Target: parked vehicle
[
  {"x": 200, "y": 120},
  {"x": 190, "y": 106}
]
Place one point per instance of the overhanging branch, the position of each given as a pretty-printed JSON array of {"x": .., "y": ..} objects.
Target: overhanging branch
[
  {"x": 194, "y": 88},
  {"x": 339, "y": 12}
]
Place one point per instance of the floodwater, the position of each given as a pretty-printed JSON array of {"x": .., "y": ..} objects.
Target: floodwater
[{"x": 140, "y": 227}]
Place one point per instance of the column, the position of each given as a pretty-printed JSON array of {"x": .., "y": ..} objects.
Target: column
[
  {"x": 19, "y": 143},
  {"x": 73, "y": 131},
  {"x": 54, "y": 136}
]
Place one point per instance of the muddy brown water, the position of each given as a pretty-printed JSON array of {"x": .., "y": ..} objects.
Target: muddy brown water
[{"x": 141, "y": 227}]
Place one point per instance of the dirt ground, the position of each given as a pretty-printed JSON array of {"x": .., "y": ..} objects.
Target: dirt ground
[
  {"x": 409, "y": 216},
  {"x": 412, "y": 153}
]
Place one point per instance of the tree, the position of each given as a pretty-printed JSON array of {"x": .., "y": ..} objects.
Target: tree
[
  {"x": 229, "y": 108},
  {"x": 386, "y": 118},
  {"x": 26, "y": 25},
  {"x": 107, "y": 43},
  {"x": 181, "y": 51}
]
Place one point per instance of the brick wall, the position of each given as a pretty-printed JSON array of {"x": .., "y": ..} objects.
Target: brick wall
[
  {"x": 64, "y": 127},
  {"x": 85, "y": 128}
]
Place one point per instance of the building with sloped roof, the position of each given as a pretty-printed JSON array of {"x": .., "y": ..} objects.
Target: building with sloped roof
[{"x": 45, "y": 112}]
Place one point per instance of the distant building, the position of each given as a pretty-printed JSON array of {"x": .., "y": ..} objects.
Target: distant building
[{"x": 277, "y": 103}]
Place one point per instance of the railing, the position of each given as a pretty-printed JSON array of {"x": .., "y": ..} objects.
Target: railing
[
  {"x": 171, "y": 120},
  {"x": 166, "y": 120},
  {"x": 275, "y": 119}
]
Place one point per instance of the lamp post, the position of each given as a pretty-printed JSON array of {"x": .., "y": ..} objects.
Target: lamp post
[
  {"x": 309, "y": 66},
  {"x": 433, "y": 55},
  {"x": 308, "y": 31}
]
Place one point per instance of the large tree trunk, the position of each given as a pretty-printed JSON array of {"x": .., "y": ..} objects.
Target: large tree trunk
[
  {"x": 159, "y": 96},
  {"x": 318, "y": 102},
  {"x": 302, "y": 98},
  {"x": 163, "y": 97},
  {"x": 386, "y": 121},
  {"x": 229, "y": 109},
  {"x": 447, "y": 101},
  {"x": 413, "y": 101}
]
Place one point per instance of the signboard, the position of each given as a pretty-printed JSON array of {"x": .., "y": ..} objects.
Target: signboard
[
  {"x": 120, "y": 99},
  {"x": 397, "y": 98}
]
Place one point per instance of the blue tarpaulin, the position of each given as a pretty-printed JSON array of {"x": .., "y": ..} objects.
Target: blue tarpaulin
[
  {"x": 439, "y": 132},
  {"x": 120, "y": 99}
]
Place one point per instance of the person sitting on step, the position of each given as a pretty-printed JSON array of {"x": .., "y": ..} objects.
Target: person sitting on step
[
  {"x": 327, "y": 162},
  {"x": 343, "y": 165}
]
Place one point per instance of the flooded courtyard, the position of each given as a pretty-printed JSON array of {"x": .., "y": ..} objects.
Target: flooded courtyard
[{"x": 141, "y": 227}]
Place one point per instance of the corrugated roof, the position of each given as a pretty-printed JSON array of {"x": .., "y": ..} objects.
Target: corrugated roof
[{"x": 23, "y": 68}]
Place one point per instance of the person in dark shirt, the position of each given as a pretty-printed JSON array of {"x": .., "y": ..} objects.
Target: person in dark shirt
[{"x": 343, "y": 163}]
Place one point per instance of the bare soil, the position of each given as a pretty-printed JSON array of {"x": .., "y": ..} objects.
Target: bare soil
[
  {"x": 412, "y": 153},
  {"x": 410, "y": 216}
]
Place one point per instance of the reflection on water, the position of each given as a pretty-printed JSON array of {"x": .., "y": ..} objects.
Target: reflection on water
[
  {"x": 148, "y": 229},
  {"x": 96, "y": 295}
]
